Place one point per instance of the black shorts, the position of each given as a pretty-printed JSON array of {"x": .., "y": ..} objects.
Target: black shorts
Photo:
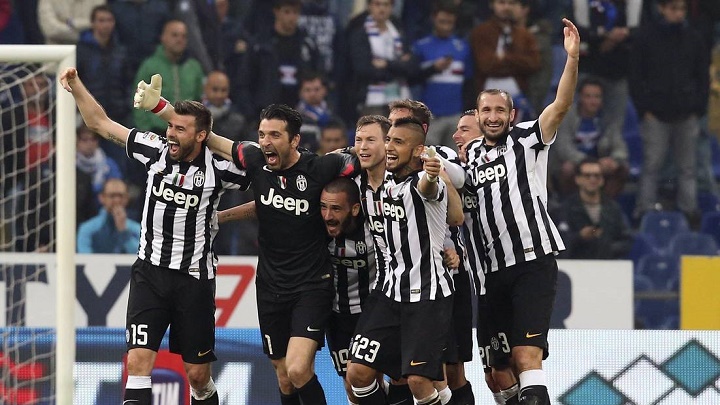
[
  {"x": 461, "y": 333},
  {"x": 301, "y": 314},
  {"x": 483, "y": 333},
  {"x": 520, "y": 302},
  {"x": 161, "y": 297},
  {"x": 401, "y": 339},
  {"x": 339, "y": 334}
]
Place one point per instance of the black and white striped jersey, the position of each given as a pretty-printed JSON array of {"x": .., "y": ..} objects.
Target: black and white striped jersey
[
  {"x": 179, "y": 219},
  {"x": 353, "y": 258},
  {"x": 414, "y": 229},
  {"x": 510, "y": 181},
  {"x": 291, "y": 233},
  {"x": 474, "y": 243},
  {"x": 371, "y": 203}
]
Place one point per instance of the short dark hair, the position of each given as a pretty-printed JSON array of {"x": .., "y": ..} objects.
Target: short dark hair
[
  {"x": 419, "y": 110},
  {"x": 203, "y": 117},
  {"x": 447, "y": 6},
  {"x": 471, "y": 111},
  {"x": 504, "y": 93},
  {"x": 335, "y": 123},
  {"x": 591, "y": 81},
  {"x": 99, "y": 9},
  {"x": 411, "y": 123},
  {"x": 664, "y": 2},
  {"x": 589, "y": 160},
  {"x": 282, "y": 112},
  {"x": 381, "y": 120},
  {"x": 310, "y": 75},
  {"x": 291, "y": 3},
  {"x": 344, "y": 185}
]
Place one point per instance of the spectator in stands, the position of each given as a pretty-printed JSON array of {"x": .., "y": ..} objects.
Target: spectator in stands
[
  {"x": 111, "y": 231},
  {"x": 226, "y": 120},
  {"x": 323, "y": 27},
  {"x": 313, "y": 107},
  {"x": 93, "y": 161},
  {"x": 275, "y": 62},
  {"x": 102, "y": 61},
  {"x": 669, "y": 82},
  {"x": 593, "y": 225},
  {"x": 378, "y": 62},
  {"x": 505, "y": 54},
  {"x": 231, "y": 124},
  {"x": 530, "y": 15},
  {"x": 235, "y": 44},
  {"x": 204, "y": 31},
  {"x": 184, "y": 73},
  {"x": 28, "y": 150},
  {"x": 143, "y": 38},
  {"x": 27, "y": 11},
  {"x": 583, "y": 134},
  {"x": 333, "y": 137},
  {"x": 62, "y": 21},
  {"x": 445, "y": 66},
  {"x": 607, "y": 28}
]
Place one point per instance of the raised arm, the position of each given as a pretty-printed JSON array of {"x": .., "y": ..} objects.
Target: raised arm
[
  {"x": 553, "y": 114},
  {"x": 92, "y": 112},
  {"x": 148, "y": 97}
]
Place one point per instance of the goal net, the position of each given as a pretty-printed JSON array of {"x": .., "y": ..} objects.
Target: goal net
[{"x": 37, "y": 223}]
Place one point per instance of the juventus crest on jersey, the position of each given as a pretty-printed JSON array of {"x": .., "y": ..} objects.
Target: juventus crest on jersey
[
  {"x": 510, "y": 182},
  {"x": 179, "y": 220}
]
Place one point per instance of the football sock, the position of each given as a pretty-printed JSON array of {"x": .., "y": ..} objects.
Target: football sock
[
  {"x": 464, "y": 395},
  {"x": 373, "y": 394},
  {"x": 289, "y": 399},
  {"x": 312, "y": 392},
  {"x": 138, "y": 390}
]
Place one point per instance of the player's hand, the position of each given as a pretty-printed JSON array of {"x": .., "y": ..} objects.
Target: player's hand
[
  {"x": 451, "y": 258},
  {"x": 432, "y": 165},
  {"x": 572, "y": 39},
  {"x": 147, "y": 96},
  {"x": 67, "y": 77}
]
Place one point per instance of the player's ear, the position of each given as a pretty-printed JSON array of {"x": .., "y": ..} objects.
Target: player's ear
[
  {"x": 201, "y": 136},
  {"x": 295, "y": 141},
  {"x": 418, "y": 150},
  {"x": 355, "y": 210},
  {"x": 512, "y": 115}
]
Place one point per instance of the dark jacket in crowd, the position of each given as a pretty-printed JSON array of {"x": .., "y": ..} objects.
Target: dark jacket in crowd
[
  {"x": 669, "y": 71},
  {"x": 615, "y": 240},
  {"x": 106, "y": 74}
]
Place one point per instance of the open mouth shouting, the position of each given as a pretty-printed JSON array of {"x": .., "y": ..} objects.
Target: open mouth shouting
[
  {"x": 174, "y": 147},
  {"x": 271, "y": 158}
]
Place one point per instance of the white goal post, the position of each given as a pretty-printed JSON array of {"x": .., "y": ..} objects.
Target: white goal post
[{"x": 62, "y": 56}]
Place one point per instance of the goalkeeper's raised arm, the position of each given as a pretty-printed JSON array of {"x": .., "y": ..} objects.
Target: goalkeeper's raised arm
[
  {"x": 92, "y": 112},
  {"x": 148, "y": 97}
]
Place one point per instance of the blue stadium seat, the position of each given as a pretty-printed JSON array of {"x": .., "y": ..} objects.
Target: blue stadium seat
[
  {"x": 661, "y": 226},
  {"x": 642, "y": 282},
  {"x": 708, "y": 202},
  {"x": 659, "y": 268},
  {"x": 693, "y": 243},
  {"x": 642, "y": 245},
  {"x": 711, "y": 225}
]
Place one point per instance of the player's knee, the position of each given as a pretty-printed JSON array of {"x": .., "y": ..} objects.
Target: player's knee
[
  {"x": 360, "y": 375},
  {"x": 299, "y": 373},
  {"x": 140, "y": 362},
  {"x": 491, "y": 384},
  {"x": 527, "y": 358},
  {"x": 416, "y": 382},
  {"x": 198, "y": 375}
]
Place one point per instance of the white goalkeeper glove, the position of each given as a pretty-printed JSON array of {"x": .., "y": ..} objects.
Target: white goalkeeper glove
[{"x": 147, "y": 96}]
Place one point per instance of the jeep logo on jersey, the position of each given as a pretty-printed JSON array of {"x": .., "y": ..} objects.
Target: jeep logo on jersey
[
  {"x": 348, "y": 262},
  {"x": 470, "y": 202},
  {"x": 489, "y": 173},
  {"x": 199, "y": 178},
  {"x": 395, "y": 212},
  {"x": 301, "y": 183},
  {"x": 376, "y": 225},
  {"x": 178, "y": 198},
  {"x": 294, "y": 205}
]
